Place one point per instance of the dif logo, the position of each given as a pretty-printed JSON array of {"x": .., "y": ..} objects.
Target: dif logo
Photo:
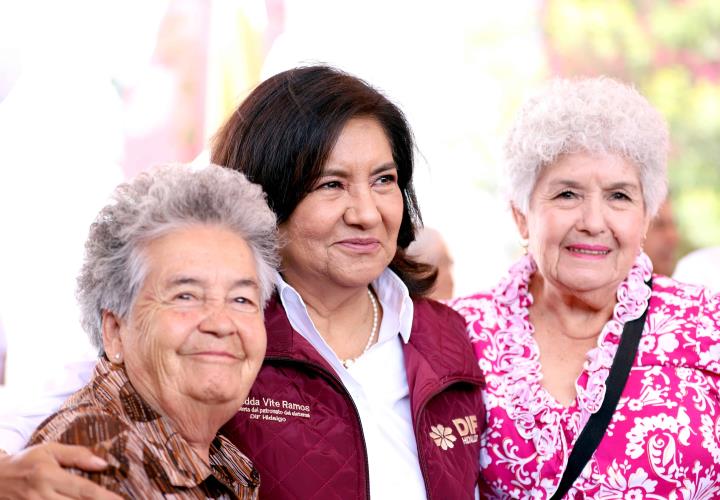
[{"x": 466, "y": 427}]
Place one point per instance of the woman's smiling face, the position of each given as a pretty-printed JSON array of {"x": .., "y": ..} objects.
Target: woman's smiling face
[
  {"x": 586, "y": 221},
  {"x": 344, "y": 232},
  {"x": 196, "y": 330}
]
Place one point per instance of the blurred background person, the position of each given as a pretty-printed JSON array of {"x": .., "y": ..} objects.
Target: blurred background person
[
  {"x": 700, "y": 267},
  {"x": 662, "y": 240},
  {"x": 430, "y": 247}
]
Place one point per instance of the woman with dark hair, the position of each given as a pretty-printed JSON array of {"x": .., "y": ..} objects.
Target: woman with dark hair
[
  {"x": 383, "y": 392},
  {"x": 284, "y": 132},
  {"x": 367, "y": 389}
]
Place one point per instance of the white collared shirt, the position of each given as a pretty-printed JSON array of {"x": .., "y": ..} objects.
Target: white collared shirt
[{"x": 378, "y": 385}]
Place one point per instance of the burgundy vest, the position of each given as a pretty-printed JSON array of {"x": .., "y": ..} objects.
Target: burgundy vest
[{"x": 302, "y": 430}]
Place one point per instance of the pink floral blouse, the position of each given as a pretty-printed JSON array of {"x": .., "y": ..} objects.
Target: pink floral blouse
[{"x": 663, "y": 441}]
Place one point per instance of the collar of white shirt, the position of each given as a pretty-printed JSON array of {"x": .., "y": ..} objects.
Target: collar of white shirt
[{"x": 391, "y": 292}]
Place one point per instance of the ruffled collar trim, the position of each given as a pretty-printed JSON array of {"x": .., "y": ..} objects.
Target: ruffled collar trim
[{"x": 535, "y": 412}]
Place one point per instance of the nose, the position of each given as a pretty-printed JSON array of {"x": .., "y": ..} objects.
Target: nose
[
  {"x": 592, "y": 216},
  {"x": 362, "y": 209},
  {"x": 217, "y": 321}
]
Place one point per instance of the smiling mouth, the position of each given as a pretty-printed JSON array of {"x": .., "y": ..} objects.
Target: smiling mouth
[
  {"x": 588, "y": 251},
  {"x": 215, "y": 355},
  {"x": 360, "y": 245}
]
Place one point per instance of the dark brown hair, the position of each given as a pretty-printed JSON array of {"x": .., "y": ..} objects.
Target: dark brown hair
[{"x": 282, "y": 134}]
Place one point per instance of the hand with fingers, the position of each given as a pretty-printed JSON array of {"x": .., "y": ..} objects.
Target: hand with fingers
[{"x": 37, "y": 473}]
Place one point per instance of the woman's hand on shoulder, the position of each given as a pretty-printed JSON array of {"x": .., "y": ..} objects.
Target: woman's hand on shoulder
[{"x": 37, "y": 472}]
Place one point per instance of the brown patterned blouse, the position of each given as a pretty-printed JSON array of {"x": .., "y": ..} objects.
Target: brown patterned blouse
[{"x": 147, "y": 457}]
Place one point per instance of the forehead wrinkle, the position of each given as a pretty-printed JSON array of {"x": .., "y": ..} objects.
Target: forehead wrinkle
[
  {"x": 245, "y": 282},
  {"x": 183, "y": 279},
  {"x": 626, "y": 185},
  {"x": 180, "y": 280},
  {"x": 565, "y": 183}
]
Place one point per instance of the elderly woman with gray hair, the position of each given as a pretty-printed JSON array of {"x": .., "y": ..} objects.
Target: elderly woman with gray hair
[
  {"x": 176, "y": 274},
  {"x": 603, "y": 381}
]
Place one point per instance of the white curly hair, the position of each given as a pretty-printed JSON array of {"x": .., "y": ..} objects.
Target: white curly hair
[
  {"x": 156, "y": 203},
  {"x": 593, "y": 115}
]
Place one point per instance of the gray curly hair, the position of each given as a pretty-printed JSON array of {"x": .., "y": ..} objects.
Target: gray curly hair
[
  {"x": 594, "y": 115},
  {"x": 154, "y": 204}
]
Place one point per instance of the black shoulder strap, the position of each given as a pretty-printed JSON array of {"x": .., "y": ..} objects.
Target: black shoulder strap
[{"x": 593, "y": 432}]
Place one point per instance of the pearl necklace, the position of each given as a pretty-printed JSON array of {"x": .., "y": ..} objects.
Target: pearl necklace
[{"x": 347, "y": 363}]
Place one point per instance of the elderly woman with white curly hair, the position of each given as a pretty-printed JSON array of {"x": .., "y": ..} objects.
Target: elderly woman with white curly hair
[
  {"x": 603, "y": 381},
  {"x": 176, "y": 274}
]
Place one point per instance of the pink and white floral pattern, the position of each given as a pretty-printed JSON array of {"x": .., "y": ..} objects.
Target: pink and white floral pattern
[{"x": 664, "y": 438}]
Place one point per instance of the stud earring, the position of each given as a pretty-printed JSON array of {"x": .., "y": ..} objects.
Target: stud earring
[{"x": 117, "y": 356}]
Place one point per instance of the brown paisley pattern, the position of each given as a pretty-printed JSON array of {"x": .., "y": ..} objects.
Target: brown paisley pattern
[
  {"x": 134, "y": 407},
  {"x": 147, "y": 457}
]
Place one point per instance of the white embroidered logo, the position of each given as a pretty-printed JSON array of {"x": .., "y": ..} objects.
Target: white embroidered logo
[
  {"x": 442, "y": 436},
  {"x": 466, "y": 427},
  {"x": 276, "y": 410}
]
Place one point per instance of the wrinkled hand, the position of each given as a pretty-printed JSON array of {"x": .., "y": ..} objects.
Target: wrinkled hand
[{"x": 36, "y": 473}]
